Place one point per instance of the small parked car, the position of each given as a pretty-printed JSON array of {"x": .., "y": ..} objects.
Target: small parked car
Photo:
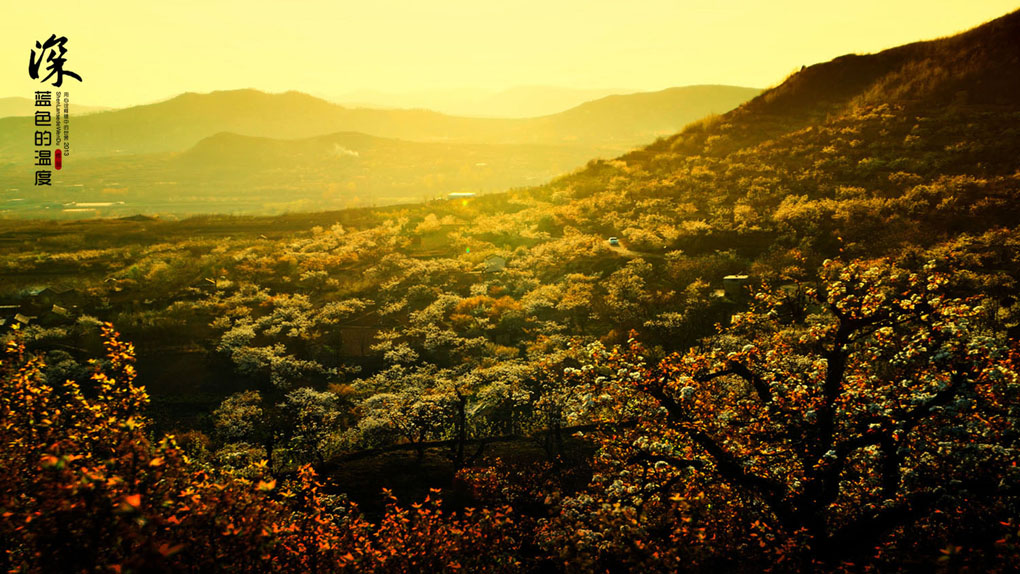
[{"x": 614, "y": 242}]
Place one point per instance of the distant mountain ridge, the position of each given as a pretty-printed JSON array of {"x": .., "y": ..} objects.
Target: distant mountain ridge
[
  {"x": 516, "y": 102},
  {"x": 643, "y": 112},
  {"x": 179, "y": 123}
]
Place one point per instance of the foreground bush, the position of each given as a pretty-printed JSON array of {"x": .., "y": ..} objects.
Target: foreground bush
[{"x": 83, "y": 489}]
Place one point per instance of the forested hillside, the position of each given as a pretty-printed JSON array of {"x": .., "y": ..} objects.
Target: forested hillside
[{"x": 800, "y": 354}]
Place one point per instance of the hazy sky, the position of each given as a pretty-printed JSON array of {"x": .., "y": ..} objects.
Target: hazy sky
[{"x": 134, "y": 51}]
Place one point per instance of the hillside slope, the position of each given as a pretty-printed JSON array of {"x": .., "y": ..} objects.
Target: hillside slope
[{"x": 969, "y": 70}]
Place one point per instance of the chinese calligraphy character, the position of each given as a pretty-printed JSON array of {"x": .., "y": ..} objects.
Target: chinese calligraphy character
[
  {"x": 43, "y": 119},
  {"x": 43, "y": 177},
  {"x": 43, "y": 138},
  {"x": 42, "y": 99},
  {"x": 55, "y": 49},
  {"x": 43, "y": 157}
]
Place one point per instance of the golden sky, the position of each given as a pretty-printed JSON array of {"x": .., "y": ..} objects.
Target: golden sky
[{"x": 135, "y": 51}]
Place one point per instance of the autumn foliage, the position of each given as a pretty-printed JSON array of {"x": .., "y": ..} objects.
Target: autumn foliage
[
  {"x": 860, "y": 422},
  {"x": 865, "y": 422},
  {"x": 84, "y": 489},
  {"x": 691, "y": 397}
]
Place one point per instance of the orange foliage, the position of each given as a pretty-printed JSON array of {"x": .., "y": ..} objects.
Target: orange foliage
[{"x": 83, "y": 489}]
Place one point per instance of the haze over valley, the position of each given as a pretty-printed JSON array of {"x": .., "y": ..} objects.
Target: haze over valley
[{"x": 246, "y": 151}]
